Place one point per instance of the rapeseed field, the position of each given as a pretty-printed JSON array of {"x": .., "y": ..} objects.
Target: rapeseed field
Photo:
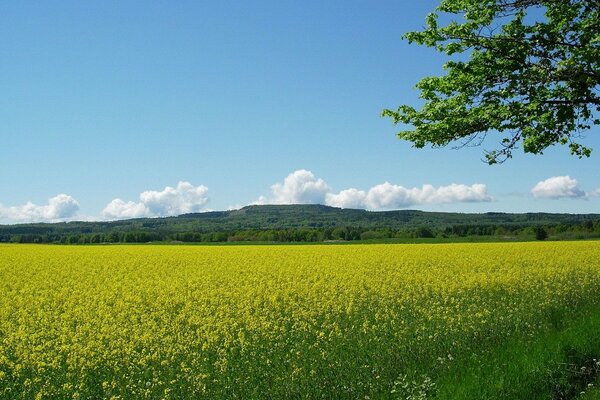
[{"x": 299, "y": 322}]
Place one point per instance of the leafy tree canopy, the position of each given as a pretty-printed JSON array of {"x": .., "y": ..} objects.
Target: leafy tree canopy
[{"x": 531, "y": 71}]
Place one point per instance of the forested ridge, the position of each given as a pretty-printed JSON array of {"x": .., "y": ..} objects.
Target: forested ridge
[{"x": 308, "y": 223}]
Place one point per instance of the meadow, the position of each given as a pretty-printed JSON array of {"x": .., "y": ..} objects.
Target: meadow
[{"x": 377, "y": 321}]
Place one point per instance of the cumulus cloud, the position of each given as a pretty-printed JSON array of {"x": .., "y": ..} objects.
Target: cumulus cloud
[
  {"x": 117, "y": 208},
  {"x": 302, "y": 187},
  {"x": 299, "y": 187},
  {"x": 558, "y": 187},
  {"x": 387, "y": 196},
  {"x": 348, "y": 198},
  {"x": 182, "y": 199},
  {"x": 60, "y": 207}
]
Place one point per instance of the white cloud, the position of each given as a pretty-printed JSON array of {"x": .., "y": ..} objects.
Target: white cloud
[
  {"x": 348, "y": 198},
  {"x": 182, "y": 199},
  {"x": 60, "y": 207},
  {"x": 299, "y": 187},
  {"x": 387, "y": 196},
  {"x": 185, "y": 198},
  {"x": 302, "y": 187},
  {"x": 117, "y": 208},
  {"x": 558, "y": 187}
]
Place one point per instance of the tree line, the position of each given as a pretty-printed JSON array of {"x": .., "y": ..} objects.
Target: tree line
[{"x": 583, "y": 230}]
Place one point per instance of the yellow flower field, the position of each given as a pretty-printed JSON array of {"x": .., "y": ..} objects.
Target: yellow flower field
[{"x": 321, "y": 321}]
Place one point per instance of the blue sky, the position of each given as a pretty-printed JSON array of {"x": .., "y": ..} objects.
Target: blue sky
[{"x": 108, "y": 100}]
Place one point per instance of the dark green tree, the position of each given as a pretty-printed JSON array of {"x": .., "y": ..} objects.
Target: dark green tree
[
  {"x": 526, "y": 69},
  {"x": 424, "y": 232},
  {"x": 540, "y": 233}
]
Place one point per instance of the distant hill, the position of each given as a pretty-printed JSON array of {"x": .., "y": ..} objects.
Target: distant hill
[{"x": 317, "y": 218}]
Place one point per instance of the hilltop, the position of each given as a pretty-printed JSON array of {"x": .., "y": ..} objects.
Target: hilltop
[{"x": 315, "y": 222}]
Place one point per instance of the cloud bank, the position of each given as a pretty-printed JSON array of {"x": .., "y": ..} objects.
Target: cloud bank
[
  {"x": 59, "y": 208},
  {"x": 303, "y": 187},
  {"x": 388, "y": 196},
  {"x": 182, "y": 199},
  {"x": 559, "y": 187},
  {"x": 299, "y": 187}
]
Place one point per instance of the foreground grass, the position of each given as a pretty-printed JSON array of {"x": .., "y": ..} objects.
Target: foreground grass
[
  {"x": 462, "y": 321},
  {"x": 592, "y": 393},
  {"x": 560, "y": 363}
]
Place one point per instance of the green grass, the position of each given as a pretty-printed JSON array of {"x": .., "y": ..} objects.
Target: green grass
[
  {"x": 557, "y": 365},
  {"x": 591, "y": 394}
]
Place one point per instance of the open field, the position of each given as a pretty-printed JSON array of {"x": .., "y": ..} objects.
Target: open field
[{"x": 448, "y": 321}]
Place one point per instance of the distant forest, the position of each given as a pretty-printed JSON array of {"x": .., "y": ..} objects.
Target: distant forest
[{"x": 310, "y": 223}]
